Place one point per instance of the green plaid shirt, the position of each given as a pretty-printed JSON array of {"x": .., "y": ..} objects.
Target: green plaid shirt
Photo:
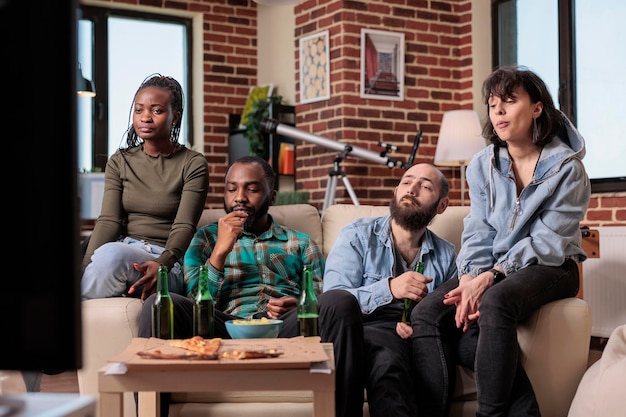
[{"x": 257, "y": 269}]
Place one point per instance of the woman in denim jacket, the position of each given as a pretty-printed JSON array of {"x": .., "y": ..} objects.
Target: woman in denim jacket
[{"x": 520, "y": 248}]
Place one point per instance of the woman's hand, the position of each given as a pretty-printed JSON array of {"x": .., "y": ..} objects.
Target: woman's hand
[
  {"x": 467, "y": 298},
  {"x": 150, "y": 271}
]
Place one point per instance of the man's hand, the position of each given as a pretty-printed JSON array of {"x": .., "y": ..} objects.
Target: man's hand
[
  {"x": 404, "y": 330},
  {"x": 410, "y": 285},
  {"x": 229, "y": 228},
  {"x": 279, "y": 306}
]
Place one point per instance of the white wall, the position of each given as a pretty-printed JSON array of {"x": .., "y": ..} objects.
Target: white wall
[
  {"x": 481, "y": 51},
  {"x": 276, "y": 46}
]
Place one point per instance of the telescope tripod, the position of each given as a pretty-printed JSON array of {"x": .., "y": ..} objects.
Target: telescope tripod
[{"x": 331, "y": 184}]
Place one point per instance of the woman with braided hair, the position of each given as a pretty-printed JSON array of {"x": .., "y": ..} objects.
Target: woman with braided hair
[{"x": 154, "y": 193}]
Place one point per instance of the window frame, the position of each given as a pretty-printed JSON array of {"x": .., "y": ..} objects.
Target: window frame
[
  {"x": 567, "y": 67},
  {"x": 100, "y": 117}
]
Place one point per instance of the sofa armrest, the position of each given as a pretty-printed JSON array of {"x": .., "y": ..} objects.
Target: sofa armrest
[
  {"x": 601, "y": 391},
  {"x": 554, "y": 345},
  {"x": 109, "y": 324}
]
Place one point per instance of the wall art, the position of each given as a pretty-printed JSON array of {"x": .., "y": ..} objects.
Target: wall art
[
  {"x": 382, "y": 65},
  {"x": 314, "y": 68}
]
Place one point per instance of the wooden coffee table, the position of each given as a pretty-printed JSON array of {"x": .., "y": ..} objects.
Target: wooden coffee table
[{"x": 291, "y": 371}]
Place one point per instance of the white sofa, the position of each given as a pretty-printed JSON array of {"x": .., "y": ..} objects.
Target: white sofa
[
  {"x": 554, "y": 341},
  {"x": 601, "y": 390}
]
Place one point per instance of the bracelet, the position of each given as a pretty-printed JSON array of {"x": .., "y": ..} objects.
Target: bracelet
[{"x": 497, "y": 275}]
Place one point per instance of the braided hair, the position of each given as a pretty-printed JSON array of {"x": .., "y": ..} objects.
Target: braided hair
[{"x": 176, "y": 99}]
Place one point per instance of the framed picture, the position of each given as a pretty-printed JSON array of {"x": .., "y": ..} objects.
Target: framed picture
[
  {"x": 382, "y": 65},
  {"x": 314, "y": 68}
]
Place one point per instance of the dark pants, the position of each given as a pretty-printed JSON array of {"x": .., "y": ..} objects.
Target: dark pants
[
  {"x": 339, "y": 323},
  {"x": 389, "y": 382},
  {"x": 490, "y": 346}
]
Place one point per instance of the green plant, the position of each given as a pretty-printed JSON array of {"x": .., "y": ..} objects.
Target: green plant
[
  {"x": 260, "y": 110},
  {"x": 291, "y": 197}
]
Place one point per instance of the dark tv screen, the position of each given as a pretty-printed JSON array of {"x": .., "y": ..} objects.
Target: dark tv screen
[{"x": 40, "y": 300}]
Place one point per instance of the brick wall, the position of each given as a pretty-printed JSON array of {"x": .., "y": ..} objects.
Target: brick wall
[
  {"x": 607, "y": 209},
  {"x": 438, "y": 77}
]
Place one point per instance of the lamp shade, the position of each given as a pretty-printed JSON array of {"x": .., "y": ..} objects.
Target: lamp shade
[
  {"x": 460, "y": 137},
  {"x": 84, "y": 87}
]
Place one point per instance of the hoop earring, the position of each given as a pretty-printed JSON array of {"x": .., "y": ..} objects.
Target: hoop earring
[{"x": 535, "y": 131}]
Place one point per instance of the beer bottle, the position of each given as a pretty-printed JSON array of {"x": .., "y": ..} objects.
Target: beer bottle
[
  {"x": 408, "y": 303},
  {"x": 163, "y": 308},
  {"x": 307, "y": 305},
  {"x": 203, "y": 307}
]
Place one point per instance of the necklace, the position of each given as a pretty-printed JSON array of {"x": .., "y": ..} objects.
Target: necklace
[{"x": 522, "y": 177}]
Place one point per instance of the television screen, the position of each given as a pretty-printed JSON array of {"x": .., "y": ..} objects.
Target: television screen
[{"x": 40, "y": 300}]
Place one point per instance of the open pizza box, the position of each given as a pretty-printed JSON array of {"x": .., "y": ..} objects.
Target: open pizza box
[{"x": 288, "y": 353}]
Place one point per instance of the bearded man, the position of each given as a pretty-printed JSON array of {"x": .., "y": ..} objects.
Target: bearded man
[{"x": 374, "y": 262}]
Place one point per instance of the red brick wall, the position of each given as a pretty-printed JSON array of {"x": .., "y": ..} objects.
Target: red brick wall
[
  {"x": 438, "y": 77},
  {"x": 607, "y": 209}
]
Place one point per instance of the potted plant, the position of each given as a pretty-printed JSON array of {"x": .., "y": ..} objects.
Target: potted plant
[{"x": 256, "y": 138}]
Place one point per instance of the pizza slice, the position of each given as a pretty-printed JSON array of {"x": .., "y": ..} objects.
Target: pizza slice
[
  {"x": 198, "y": 344},
  {"x": 196, "y": 348},
  {"x": 250, "y": 354},
  {"x": 157, "y": 354}
]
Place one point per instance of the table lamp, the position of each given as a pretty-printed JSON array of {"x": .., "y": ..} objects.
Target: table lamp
[{"x": 460, "y": 137}]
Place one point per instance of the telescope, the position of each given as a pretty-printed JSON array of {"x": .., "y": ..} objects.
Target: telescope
[{"x": 273, "y": 126}]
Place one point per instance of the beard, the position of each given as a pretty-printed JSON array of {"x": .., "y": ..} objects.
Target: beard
[
  {"x": 412, "y": 217},
  {"x": 253, "y": 214}
]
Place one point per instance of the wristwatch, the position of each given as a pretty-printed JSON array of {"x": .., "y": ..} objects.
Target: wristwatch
[{"x": 497, "y": 275}]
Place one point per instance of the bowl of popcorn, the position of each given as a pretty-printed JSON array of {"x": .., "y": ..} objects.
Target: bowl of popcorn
[{"x": 262, "y": 328}]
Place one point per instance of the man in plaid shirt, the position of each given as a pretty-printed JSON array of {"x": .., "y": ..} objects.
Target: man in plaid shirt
[{"x": 255, "y": 264}]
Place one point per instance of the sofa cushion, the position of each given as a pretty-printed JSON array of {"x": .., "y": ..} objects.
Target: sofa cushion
[
  {"x": 601, "y": 391},
  {"x": 448, "y": 225},
  {"x": 337, "y": 216}
]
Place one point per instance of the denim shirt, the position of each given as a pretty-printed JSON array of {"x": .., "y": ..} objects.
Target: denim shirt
[
  {"x": 541, "y": 224},
  {"x": 362, "y": 261}
]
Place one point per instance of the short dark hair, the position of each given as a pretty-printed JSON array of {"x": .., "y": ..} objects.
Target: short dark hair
[
  {"x": 270, "y": 175},
  {"x": 503, "y": 81}
]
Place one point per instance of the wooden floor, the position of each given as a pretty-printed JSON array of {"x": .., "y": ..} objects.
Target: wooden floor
[
  {"x": 65, "y": 382},
  {"x": 68, "y": 381}
]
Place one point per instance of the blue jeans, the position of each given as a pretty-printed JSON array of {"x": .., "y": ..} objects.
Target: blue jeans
[
  {"x": 489, "y": 347},
  {"x": 111, "y": 272}
]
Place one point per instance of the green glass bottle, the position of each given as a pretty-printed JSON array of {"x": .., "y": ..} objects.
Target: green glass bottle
[
  {"x": 408, "y": 303},
  {"x": 163, "y": 308},
  {"x": 203, "y": 307},
  {"x": 308, "y": 308}
]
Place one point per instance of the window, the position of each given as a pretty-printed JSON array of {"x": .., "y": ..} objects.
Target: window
[
  {"x": 117, "y": 50},
  {"x": 576, "y": 47}
]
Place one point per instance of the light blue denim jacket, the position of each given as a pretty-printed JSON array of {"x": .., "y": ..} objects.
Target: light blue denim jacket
[
  {"x": 541, "y": 225},
  {"x": 362, "y": 261}
]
